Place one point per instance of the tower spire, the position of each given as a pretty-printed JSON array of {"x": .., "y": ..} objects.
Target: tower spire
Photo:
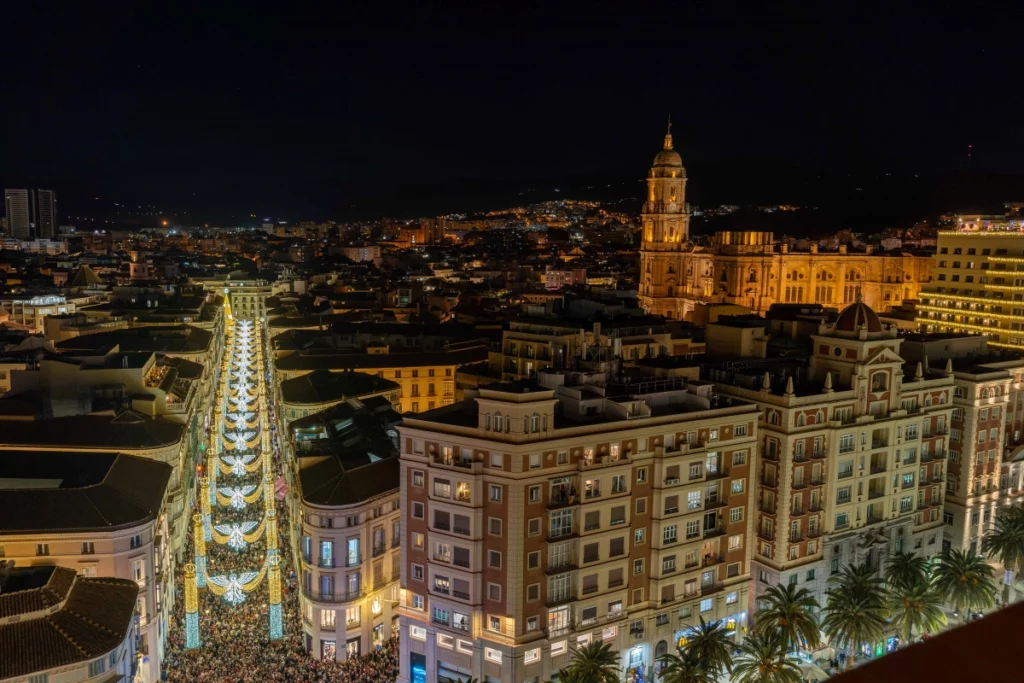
[{"x": 668, "y": 133}]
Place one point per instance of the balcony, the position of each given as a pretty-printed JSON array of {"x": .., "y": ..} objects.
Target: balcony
[
  {"x": 561, "y": 599},
  {"x": 799, "y": 485},
  {"x": 874, "y": 519},
  {"x": 452, "y": 461},
  {"x": 877, "y": 467},
  {"x": 876, "y": 493},
  {"x": 562, "y": 497},
  {"x": 560, "y": 630},
  {"x": 842, "y": 500},
  {"x": 798, "y": 512},
  {"x": 587, "y": 590},
  {"x": 333, "y": 597},
  {"x": 769, "y": 482},
  {"x": 800, "y": 457},
  {"x": 879, "y": 443},
  {"x": 818, "y": 454},
  {"x": 461, "y": 595},
  {"x": 712, "y": 559},
  {"x": 379, "y": 550},
  {"x": 714, "y": 531},
  {"x": 817, "y": 481},
  {"x": 766, "y": 535},
  {"x": 712, "y": 503},
  {"x": 767, "y": 508}
]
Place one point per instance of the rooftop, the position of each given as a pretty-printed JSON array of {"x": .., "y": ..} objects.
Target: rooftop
[
  {"x": 160, "y": 339},
  {"x": 322, "y": 386},
  {"x": 50, "y": 491},
  {"x": 93, "y": 617},
  {"x": 345, "y": 453},
  {"x": 126, "y": 430},
  {"x": 330, "y": 359}
]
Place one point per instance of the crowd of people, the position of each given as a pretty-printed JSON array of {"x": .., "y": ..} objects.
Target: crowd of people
[{"x": 235, "y": 639}]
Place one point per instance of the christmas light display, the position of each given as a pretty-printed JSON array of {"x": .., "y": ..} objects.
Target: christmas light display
[
  {"x": 240, "y": 465},
  {"x": 199, "y": 536},
  {"x": 205, "y": 496},
  {"x": 237, "y": 496},
  {"x": 233, "y": 586},
  {"x": 274, "y": 584},
  {"x": 191, "y": 608}
]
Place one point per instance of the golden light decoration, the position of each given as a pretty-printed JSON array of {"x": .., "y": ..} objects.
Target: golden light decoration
[{"x": 191, "y": 592}]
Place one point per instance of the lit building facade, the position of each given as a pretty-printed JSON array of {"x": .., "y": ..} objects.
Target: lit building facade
[
  {"x": 62, "y": 526},
  {"x": 749, "y": 268},
  {"x": 344, "y": 465},
  {"x": 979, "y": 281},
  {"x": 541, "y": 516},
  {"x": 852, "y": 459}
]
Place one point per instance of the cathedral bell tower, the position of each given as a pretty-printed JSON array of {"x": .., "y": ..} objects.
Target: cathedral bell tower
[{"x": 665, "y": 222}]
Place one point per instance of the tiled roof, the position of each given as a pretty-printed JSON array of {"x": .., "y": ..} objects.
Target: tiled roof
[
  {"x": 126, "y": 431},
  {"x": 98, "y": 491},
  {"x": 93, "y": 620},
  {"x": 321, "y": 386},
  {"x": 332, "y": 360}
]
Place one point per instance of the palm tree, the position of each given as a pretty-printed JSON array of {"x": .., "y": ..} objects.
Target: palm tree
[
  {"x": 764, "y": 658},
  {"x": 917, "y": 608},
  {"x": 597, "y": 662},
  {"x": 964, "y": 580},
  {"x": 570, "y": 675},
  {"x": 1006, "y": 541},
  {"x": 854, "y": 609},
  {"x": 685, "y": 668},
  {"x": 905, "y": 570},
  {"x": 791, "y": 611},
  {"x": 711, "y": 646}
]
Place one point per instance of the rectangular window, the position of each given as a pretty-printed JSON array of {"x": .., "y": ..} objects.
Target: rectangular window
[
  {"x": 496, "y": 493},
  {"x": 735, "y": 515}
]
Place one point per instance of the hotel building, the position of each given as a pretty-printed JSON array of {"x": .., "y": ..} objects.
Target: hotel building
[
  {"x": 541, "y": 515},
  {"x": 979, "y": 281}
]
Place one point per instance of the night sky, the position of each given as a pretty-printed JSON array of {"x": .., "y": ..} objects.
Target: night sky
[{"x": 300, "y": 113}]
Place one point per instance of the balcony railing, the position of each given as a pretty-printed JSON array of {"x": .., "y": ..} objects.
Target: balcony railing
[
  {"x": 877, "y": 493},
  {"x": 461, "y": 595},
  {"x": 344, "y": 596}
]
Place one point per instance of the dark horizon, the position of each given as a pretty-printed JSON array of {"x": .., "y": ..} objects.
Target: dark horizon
[{"x": 327, "y": 114}]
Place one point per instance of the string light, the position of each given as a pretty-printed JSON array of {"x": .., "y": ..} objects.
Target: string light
[
  {"x": 199, "y": 535},
  {"x": 191, "y": 608}
]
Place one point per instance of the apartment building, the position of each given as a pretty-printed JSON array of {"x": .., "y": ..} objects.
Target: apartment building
[
  {"x": 56, "y": 626},
  {"x": 346, "y": 517},
  {"x": 246, "y": 297},
  {"x": 101, "y": 515},
  {"x": 427, "y": 379},
  {"x": 533, "y": 344},
  {"x": 541, "y": 515},
  {"x": 979, "y": 281},
  {"x": 852, "y": 464}
]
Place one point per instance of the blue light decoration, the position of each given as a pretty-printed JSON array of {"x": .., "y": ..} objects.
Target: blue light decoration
[
  {"x": 191, "y": 631},
  {"x": 276, "y": 627}
]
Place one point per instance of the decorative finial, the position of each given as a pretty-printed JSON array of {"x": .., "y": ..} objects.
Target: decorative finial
[
  {"x": 949, "y": 366},
  {"x": 789, "y": 386},
  {"x": 668, "y": 134},
  {"x": 828, "y": 382},
  {"x": 919, "y": 373},
  {"x": 766, "y": 385}
]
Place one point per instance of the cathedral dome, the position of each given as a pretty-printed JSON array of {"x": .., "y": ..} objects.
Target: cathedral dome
[
  {"x": 668, "y": 157},
  {"x": 857, "y": 316}
]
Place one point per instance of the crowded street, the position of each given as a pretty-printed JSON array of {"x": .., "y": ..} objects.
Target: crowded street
[{"x": 248, "y": 566}]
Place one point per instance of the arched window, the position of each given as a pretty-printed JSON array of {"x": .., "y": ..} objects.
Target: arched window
[
  {"x": 488, "y": 422},
  {"x": 534, "y": 422},
  {"x": 508, "y": 423},
  {"x": 801, "y": 420},
  {"x": 879, "y": 381},
  {"x": 497, "y": 421},
  {"x": 819, "y": 418},
  {"x": 773, "y": 418}
]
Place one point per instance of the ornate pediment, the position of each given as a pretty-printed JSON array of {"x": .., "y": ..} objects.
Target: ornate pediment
[{"x": 883, "y": 356}]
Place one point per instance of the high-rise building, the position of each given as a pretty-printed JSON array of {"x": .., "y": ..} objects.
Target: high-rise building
[
  {"x": 979, "y": 281},
  {"x": 46, "y": 213},
  {"x": 19, "y": 213},
  {"x": 583, "y": 506},
  {"x": 852, "y": 457},
  {"x": 31, "y": 213}
]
